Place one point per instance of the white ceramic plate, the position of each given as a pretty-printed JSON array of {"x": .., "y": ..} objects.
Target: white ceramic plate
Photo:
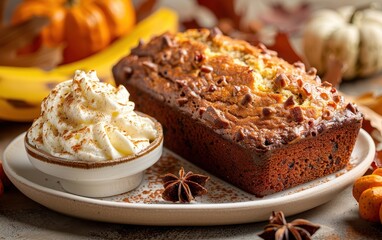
[{"x": 224, "y": 204}]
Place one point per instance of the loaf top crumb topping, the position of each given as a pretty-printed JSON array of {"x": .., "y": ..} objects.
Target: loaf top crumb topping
[{"x": 245, "y": 93}]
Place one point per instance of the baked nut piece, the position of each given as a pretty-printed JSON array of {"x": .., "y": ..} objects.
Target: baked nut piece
[{"x": 239, "y": 111}]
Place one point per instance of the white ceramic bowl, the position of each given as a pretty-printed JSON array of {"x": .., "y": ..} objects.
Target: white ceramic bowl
[{"x": 98, "y": 179}]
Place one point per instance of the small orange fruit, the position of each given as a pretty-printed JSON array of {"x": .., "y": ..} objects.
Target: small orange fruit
[
  {"x": 377, "y": 171},
  {"x": 365, "y": 182},
  {"x": 370, "y": 204}
]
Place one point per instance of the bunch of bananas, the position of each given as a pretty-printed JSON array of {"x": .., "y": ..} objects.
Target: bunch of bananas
[{"x": 23, "y": 89}]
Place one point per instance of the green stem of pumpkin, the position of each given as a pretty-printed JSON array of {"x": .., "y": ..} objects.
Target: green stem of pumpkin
[
  {"x": 71, "y": 3},
  {"x": 360, "y": 9}
]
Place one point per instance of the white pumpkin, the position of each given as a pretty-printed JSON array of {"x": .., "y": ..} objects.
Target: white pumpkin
[{"x": 353, "y": 36}]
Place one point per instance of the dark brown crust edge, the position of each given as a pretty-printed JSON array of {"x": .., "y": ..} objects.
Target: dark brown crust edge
[{"x": 260, "y": 174}]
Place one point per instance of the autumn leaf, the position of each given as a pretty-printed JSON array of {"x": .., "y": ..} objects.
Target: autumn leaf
[
  {"x": 286, "y": 20},
  {"x": 224, "y": 10},
  {"x": 13, "y": 38},
  {"x": 336, "y": 68},
  {"x": 371, "y": 101},
  {"x": 284, "y": 48},
  {"x": 145, "y": 9},
  {"x": 230, "y": 22},
  {"x": 377, "y": 137},
  {"x": 372, "y": 124}
]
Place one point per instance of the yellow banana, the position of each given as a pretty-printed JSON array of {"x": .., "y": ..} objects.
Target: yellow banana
[
  {"x": 18, "y": 111},
  {"x": 23, "y": 89},
  {"x": 27, "y": 85},
  {"x": 161, "y": 21}
]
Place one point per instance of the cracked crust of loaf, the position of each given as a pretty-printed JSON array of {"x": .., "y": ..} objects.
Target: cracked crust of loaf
[{"x": 240, "y": 111}]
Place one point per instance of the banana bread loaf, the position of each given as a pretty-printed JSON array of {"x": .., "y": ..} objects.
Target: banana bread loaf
[{"x": 239, "y": 111}]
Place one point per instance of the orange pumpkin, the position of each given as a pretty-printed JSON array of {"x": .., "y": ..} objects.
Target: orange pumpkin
[
  {"x": 378, "y": 171},
  {"x": 82, "y": 27},
  {"x": 367, "y": 190}
]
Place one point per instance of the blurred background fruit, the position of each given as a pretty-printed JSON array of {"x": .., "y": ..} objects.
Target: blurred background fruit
[
  {"x": 349, "y": 34},
  {"x": 23, "y": 88},
  {"x": 367, "y": 191},
  {"x": 82, "y": 27}
]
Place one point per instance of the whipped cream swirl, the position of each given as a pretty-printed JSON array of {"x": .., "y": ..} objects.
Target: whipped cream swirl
[{"x": 88, "y": 120}]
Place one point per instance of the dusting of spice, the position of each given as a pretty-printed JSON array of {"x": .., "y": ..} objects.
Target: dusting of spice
[
  {"x": 185, "y": 187},
  {"x": 279, "y": 229}
]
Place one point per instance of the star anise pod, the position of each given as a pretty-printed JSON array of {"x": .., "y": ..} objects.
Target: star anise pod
[
  {"x": 279, "y": 229},
  {"x": 185, "y": 187}
]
